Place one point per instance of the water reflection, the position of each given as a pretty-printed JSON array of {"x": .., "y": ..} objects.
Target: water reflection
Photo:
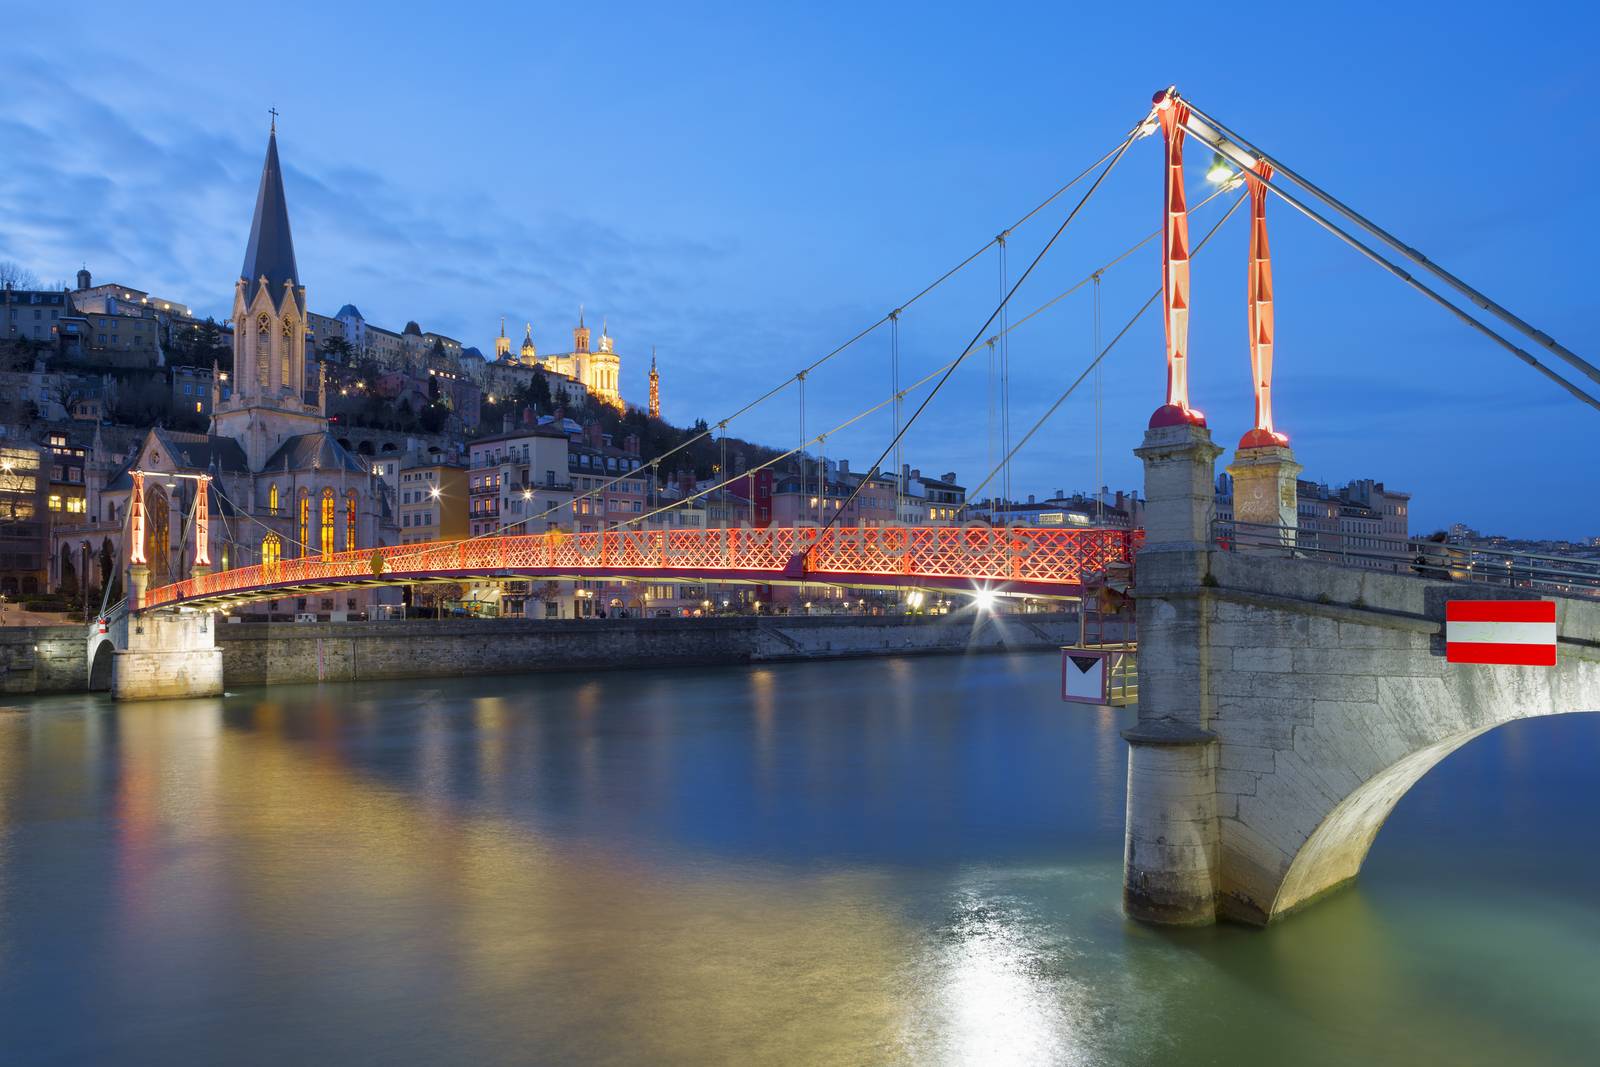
[{"x": 885, "y": 861}]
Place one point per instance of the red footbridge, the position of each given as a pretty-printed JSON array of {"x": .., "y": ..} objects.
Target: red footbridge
[{"x": 1023, "y": 561}]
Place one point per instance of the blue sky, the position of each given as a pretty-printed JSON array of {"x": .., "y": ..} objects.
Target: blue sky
[{"x": 744, "y": 188}]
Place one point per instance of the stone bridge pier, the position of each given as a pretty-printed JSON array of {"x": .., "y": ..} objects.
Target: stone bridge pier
[
  {"x": 1286, "y": 705},
  {"x": 153, "y": 655},
  {"x": 170, "y": 655}
]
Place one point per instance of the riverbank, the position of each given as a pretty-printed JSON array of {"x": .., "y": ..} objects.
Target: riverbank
[
  {"x": 311, "y": 652},
  {"x": 51, "y": 659}
]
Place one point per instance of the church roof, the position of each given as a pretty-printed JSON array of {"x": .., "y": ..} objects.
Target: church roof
[
  {"x": 191, "y": 453},
  {"x": 203, "y": 452},
  {"x": 313, "y": 450},
  {"x": 270, "y": 253}
]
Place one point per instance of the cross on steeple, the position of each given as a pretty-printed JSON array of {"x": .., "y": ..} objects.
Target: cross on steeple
[{"x": 273, "y": 111}]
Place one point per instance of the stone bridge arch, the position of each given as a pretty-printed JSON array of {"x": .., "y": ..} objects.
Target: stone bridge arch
[
  {"x": 100, "y": 656},
  {"x": 102, "y": 653},
  {"x": 1326, "y": 714},
  {"x": 1286, "y": 705}
]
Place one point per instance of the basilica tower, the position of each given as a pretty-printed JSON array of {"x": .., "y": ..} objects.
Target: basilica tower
[
  {"x": 268, "y": 403},
  {"x": 655, "y": 386}
]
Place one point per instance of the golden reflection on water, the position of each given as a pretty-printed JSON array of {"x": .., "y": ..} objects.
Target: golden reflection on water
[
  {"x": 415, "y": 876},
  {"x": 521, "y": 943}
]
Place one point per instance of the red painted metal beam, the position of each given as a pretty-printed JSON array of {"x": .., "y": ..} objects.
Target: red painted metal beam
[
  {"x": 1260, "y": 311},
  {"x": 1173, "y": 113}
]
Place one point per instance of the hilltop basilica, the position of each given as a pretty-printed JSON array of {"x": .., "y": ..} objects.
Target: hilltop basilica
[
  {"x": 599, "y": 371},
  {"x": 280, "y": 484}
]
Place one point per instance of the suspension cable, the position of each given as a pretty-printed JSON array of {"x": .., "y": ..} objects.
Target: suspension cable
[
  {"x": 1474, "y": 295},
  {"x": 1103, "y": 352},
  {"x": 1099, "y": 178},
  {"x": 990, "y": 392},
  {"x": 1210, "y": 140},
  {"x": 1005, "y": 375},
  {"x": 814, "y": 439},
  {"x": 1099, "y": 410},
  {"x": 894, "y": 389}
]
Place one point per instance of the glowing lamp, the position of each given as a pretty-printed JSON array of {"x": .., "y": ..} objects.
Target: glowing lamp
[{"x": 1219, "y": 173}]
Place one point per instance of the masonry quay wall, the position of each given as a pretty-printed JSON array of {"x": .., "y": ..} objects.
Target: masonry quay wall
[
  {"x": 268, "y": 654},
  {"x": 43, "y": 659}
]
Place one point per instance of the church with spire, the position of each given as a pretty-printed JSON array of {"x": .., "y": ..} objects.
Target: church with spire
[{"x": 280, "y": 484}]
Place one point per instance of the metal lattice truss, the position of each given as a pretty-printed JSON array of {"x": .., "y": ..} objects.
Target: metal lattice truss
[{"x": 1024, "y": 560}]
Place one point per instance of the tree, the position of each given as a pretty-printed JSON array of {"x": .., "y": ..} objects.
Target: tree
[
  {"x": 539, "y": 393},
  {"x": 435, "y": 416},
  {"x": 200, "y": 345},
  {"x": 14, "y": 275},
  {"x": 338, "y": 350}
]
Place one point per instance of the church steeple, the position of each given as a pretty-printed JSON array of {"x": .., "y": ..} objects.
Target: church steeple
[
  {"x": 529, "y": 355},
  {"x": 268, "y": 400},
  {"x": 580, "y": 335},
  {"x": 270, "y": 253},
  {"x": 502, "y": 344}
]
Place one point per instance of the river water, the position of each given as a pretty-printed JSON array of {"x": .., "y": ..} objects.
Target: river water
[{"x": 874, "y": 861}]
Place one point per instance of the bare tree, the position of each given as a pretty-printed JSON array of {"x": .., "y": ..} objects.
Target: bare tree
[{"x": 16, "y": 276}]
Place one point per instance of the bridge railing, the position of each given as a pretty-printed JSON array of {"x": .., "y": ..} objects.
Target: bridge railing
[
  {"x": 1567, "y": 575},
  {"x": 1030, "y": 556}
]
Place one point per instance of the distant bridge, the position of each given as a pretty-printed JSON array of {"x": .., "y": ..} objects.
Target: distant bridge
[{"x": 1030, "y": 561}]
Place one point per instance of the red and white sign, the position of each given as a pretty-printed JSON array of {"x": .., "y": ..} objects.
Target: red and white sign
[{"x": 1513, "y": 632}]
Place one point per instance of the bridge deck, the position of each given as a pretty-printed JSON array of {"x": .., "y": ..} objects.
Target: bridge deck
[{"x": 1032, "y": 561}]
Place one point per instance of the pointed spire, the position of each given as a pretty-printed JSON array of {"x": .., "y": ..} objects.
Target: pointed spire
[
  {"x": 502, "y": 325},
  {"x": 270, "y": 253}
]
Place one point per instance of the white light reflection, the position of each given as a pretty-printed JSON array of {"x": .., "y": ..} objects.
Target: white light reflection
[{"x": 998, "y": 991}]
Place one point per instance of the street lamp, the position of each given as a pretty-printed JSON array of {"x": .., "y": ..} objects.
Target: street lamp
[{"x": 1219, "y": 173}]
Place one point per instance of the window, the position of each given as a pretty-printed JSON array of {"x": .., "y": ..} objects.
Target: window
[
  {"x": 271, "y": 550},
  {"x": 55, "y": 502},
  {"x": 305, "y": 523},
  {"x": 76, "y": 505},
  {"x": 350, "y": 522},
  {"x": 263, "y": 353},
  {"x": 287, "y": 377},
  {"x": 272, "y": 499},
  {"x": 327, "y": 523}
]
